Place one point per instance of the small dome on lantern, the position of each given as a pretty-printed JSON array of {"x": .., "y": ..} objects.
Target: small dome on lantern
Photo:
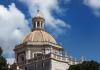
[{"x": 38, "y": 21}]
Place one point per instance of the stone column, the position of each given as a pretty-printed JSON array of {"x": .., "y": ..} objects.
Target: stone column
[{"x": 28, "y": 54}]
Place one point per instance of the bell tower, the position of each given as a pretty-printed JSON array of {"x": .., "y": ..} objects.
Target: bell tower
[{"x": 38, "y": 21}]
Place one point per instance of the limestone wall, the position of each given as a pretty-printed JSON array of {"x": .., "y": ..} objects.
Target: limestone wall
[{"x": 57, "y": 65}]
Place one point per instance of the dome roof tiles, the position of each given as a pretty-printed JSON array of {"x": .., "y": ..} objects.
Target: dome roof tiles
[{"x": 39, "y": 36}]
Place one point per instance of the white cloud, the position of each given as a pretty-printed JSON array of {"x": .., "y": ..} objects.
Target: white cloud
[
  {"x": 46, "y": 7},
  {"x": 10, "y": 60},
  {"x": 94, "y": 5},
  {"x": 13, "y": 26}
]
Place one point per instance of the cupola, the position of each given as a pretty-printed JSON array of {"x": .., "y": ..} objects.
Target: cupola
[{"x": 38, "y": 21}]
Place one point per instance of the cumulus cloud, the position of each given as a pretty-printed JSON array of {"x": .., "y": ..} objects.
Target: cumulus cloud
[
  {"x": 10, "y": 60},
  {"x": 13, "y": 26},
  {"x": 46, "y": 7},
  {"x": 94, "y": 5}
]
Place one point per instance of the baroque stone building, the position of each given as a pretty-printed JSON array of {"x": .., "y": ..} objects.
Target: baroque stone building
[{"x": 40, "y": 51}]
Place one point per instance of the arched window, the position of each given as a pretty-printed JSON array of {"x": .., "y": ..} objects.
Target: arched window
[
  {"x": 21, "y": 58},
  {"x": 38, "y": 24},
  {"x": 34, "y": 25}
]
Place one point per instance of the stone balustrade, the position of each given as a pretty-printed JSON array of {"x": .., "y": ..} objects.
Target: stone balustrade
[
  {"x": 64, "y": 59},
  {"x": 67, "y": 59}
]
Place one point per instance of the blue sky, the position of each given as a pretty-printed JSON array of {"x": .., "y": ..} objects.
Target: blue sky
[{"x": 81, "y": 34}]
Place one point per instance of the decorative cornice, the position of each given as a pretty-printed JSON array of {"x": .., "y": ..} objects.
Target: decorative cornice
[{"x": 56, "y": 46}]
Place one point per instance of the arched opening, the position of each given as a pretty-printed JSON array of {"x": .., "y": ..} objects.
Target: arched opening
[{"x": 38, "y": 24}]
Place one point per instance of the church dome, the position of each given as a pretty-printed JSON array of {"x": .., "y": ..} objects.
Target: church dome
[
  {"x": 38, "y": 33},
  {"x": 39, "y": 36}
]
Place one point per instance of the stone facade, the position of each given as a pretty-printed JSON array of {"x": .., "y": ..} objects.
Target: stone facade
[{"x": 40, "y": 51}]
